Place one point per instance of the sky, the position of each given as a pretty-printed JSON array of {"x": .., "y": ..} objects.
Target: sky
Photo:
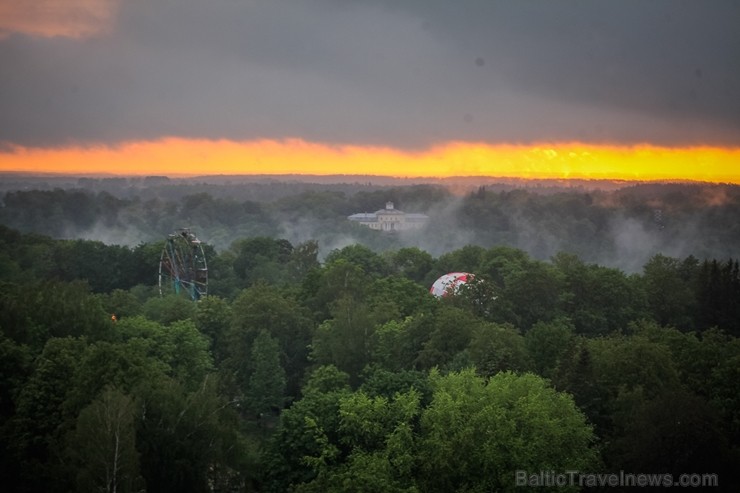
[{"x": 625, "y": 89}]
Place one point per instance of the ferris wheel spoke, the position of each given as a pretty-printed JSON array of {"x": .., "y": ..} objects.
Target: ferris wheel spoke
[{"x": 182, "y": 268}]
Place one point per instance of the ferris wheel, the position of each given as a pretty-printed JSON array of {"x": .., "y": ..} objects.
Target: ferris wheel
[{"x": 182, "y": 266}]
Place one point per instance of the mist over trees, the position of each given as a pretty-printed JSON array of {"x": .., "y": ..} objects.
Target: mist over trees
[
  {"x": 312, "y": 368},
  {"x": 615, "y": 225}
]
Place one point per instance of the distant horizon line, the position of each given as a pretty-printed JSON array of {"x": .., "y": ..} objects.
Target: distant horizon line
[{"x": 355, "y": 176}]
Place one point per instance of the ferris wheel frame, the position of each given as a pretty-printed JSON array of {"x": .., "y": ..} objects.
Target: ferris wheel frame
[{"x": 182, "y": 266}]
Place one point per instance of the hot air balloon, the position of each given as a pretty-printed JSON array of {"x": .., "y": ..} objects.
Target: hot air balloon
[{"x": 449, "y": 283}]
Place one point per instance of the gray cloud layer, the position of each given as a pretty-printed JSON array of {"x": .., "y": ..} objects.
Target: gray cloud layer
[{"x": 384, "y": 72}]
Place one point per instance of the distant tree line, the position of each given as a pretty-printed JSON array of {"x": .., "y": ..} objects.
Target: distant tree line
[
  {"x": 621, "y": 228},
  {"x": 345, "y": 374}
]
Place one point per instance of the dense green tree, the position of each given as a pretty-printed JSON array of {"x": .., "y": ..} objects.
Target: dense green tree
[
  {"x": 222, "y": 279},
  {"x": 494, "y": 348},
  {"x": 120, "y": 303},
  {"x": 412, "y": 263},
  {"x": 548, "y": 344},
  {"x": 669, "y": 292},
  {"x": 34, "y": 312},
  {"x": 184, "y": 437},
  {"x": 265, "y": 392},
  {"x": 674, "y": 432},
  {"x": 534, "y": 292},
  {"x": 477, "y": 433},
  {"x": 377, "y": 381},
  {"x": 379, "y": 434},
  {"x": 449, "y": 332},
  {"x": 390, "y": 347},
  {"x": 123, "y": 365},
  {"x": 263, "y": 307},
  {"x": 169, "y": 308},
  {"x": 370, "y": 262},
  {"x": 261, "y": 259},
  {"x": 41, "y": 423},
  {"x": 306, "y": 429},
  {"x": 465, "y": 259},
  {"x": 103, "y": 445},
  {"x": 345, "y": 340},
  {"x": 179, "y": 349},
  {"x": 707, "y": 366},
  {"x": 628, "y": 363},
  {"x": 399, "y": 297},
  {"x": 339, "y": 279},
  {"x": 717, "y": 295},
  {"x": 15, "y": 368},
  {"x": 212, "y": 318},
  {"x": 599, "y": 300},
  {"x": 303, "y": 259}
]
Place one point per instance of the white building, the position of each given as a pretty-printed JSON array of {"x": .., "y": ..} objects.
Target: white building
[{"x": 390, "y": 219}]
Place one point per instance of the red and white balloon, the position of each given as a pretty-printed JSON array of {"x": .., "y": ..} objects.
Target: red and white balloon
[{"x": 449, "y": 283}]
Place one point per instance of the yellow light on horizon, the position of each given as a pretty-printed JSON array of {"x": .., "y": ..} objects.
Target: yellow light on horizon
[{"x": 178, "y": 157}]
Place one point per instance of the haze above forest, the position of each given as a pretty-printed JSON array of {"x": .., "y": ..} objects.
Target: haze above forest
[{"x": 612, "y": 223}]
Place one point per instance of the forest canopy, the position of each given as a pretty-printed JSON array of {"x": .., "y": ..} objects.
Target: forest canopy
[{"x": 310, "y": 368}]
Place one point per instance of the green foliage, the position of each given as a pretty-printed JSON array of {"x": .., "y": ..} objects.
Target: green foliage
[
  {"x": 651, "y": 434},
  {"x": 344, "y": 340},
  {"x": 170, "y": 375},
  {"x": 381, "y": 382},
  {"x": 379, "y": 434},
  {"x": 669, "y": 292},
  {"x": 103, "y": 445},
  {"x": 120, "y": 303},
  {"x": 717, "y": 292},
  {"x": 548, "y": 344},
  {"x": 390, "y": 346},
  {"x": 184, "y": 436},
  {"x": 168, "y": 309},
  {"x": 339, "y": 279},
  {"x": 412, "y": 263},
  {"x": 213, "y": 318},
  {"x": 303, "y": 259},
  {"x": 306, "y": 429},
  {"x": 449, "y": 332},
  {"x": 32, "y": 313},
  {"x": 370, "y": 262},
  {"x": 265, "y": 392},
  {"x": 599, "y": 300},
  {"x": 534, "y": 292},
  {"x": 465, "y": 259},
  {"x": 494, "y": 348},
  {"x": 399, "y": 297},
  {"x": 476, "y": 434},
  {"x": 15, "y": 368},
  {"x": 263, "y": 307},
  {"x": 179, "y": 347},
  {"x": 41, "y": 423}
]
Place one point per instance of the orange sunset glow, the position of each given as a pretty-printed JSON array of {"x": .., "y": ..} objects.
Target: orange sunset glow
[
  {"x": 207, "y": 157},
  {"x": 50, "y": 18}
]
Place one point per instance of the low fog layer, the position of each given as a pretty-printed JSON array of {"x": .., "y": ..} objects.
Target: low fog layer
[{"x": 617, "y": 225}]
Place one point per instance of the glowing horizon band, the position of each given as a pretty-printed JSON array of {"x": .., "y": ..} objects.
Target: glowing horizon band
[{"x": 176, "y": 157}]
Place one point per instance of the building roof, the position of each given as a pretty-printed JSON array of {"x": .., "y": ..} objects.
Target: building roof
[
  {"x": 388, "y": 211},
  {"x": 412, "y": 216},
  {"x": 363, "y": 216}
]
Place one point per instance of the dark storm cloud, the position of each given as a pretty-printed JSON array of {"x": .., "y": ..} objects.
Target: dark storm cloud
[{"x": 381, "y": 72}]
